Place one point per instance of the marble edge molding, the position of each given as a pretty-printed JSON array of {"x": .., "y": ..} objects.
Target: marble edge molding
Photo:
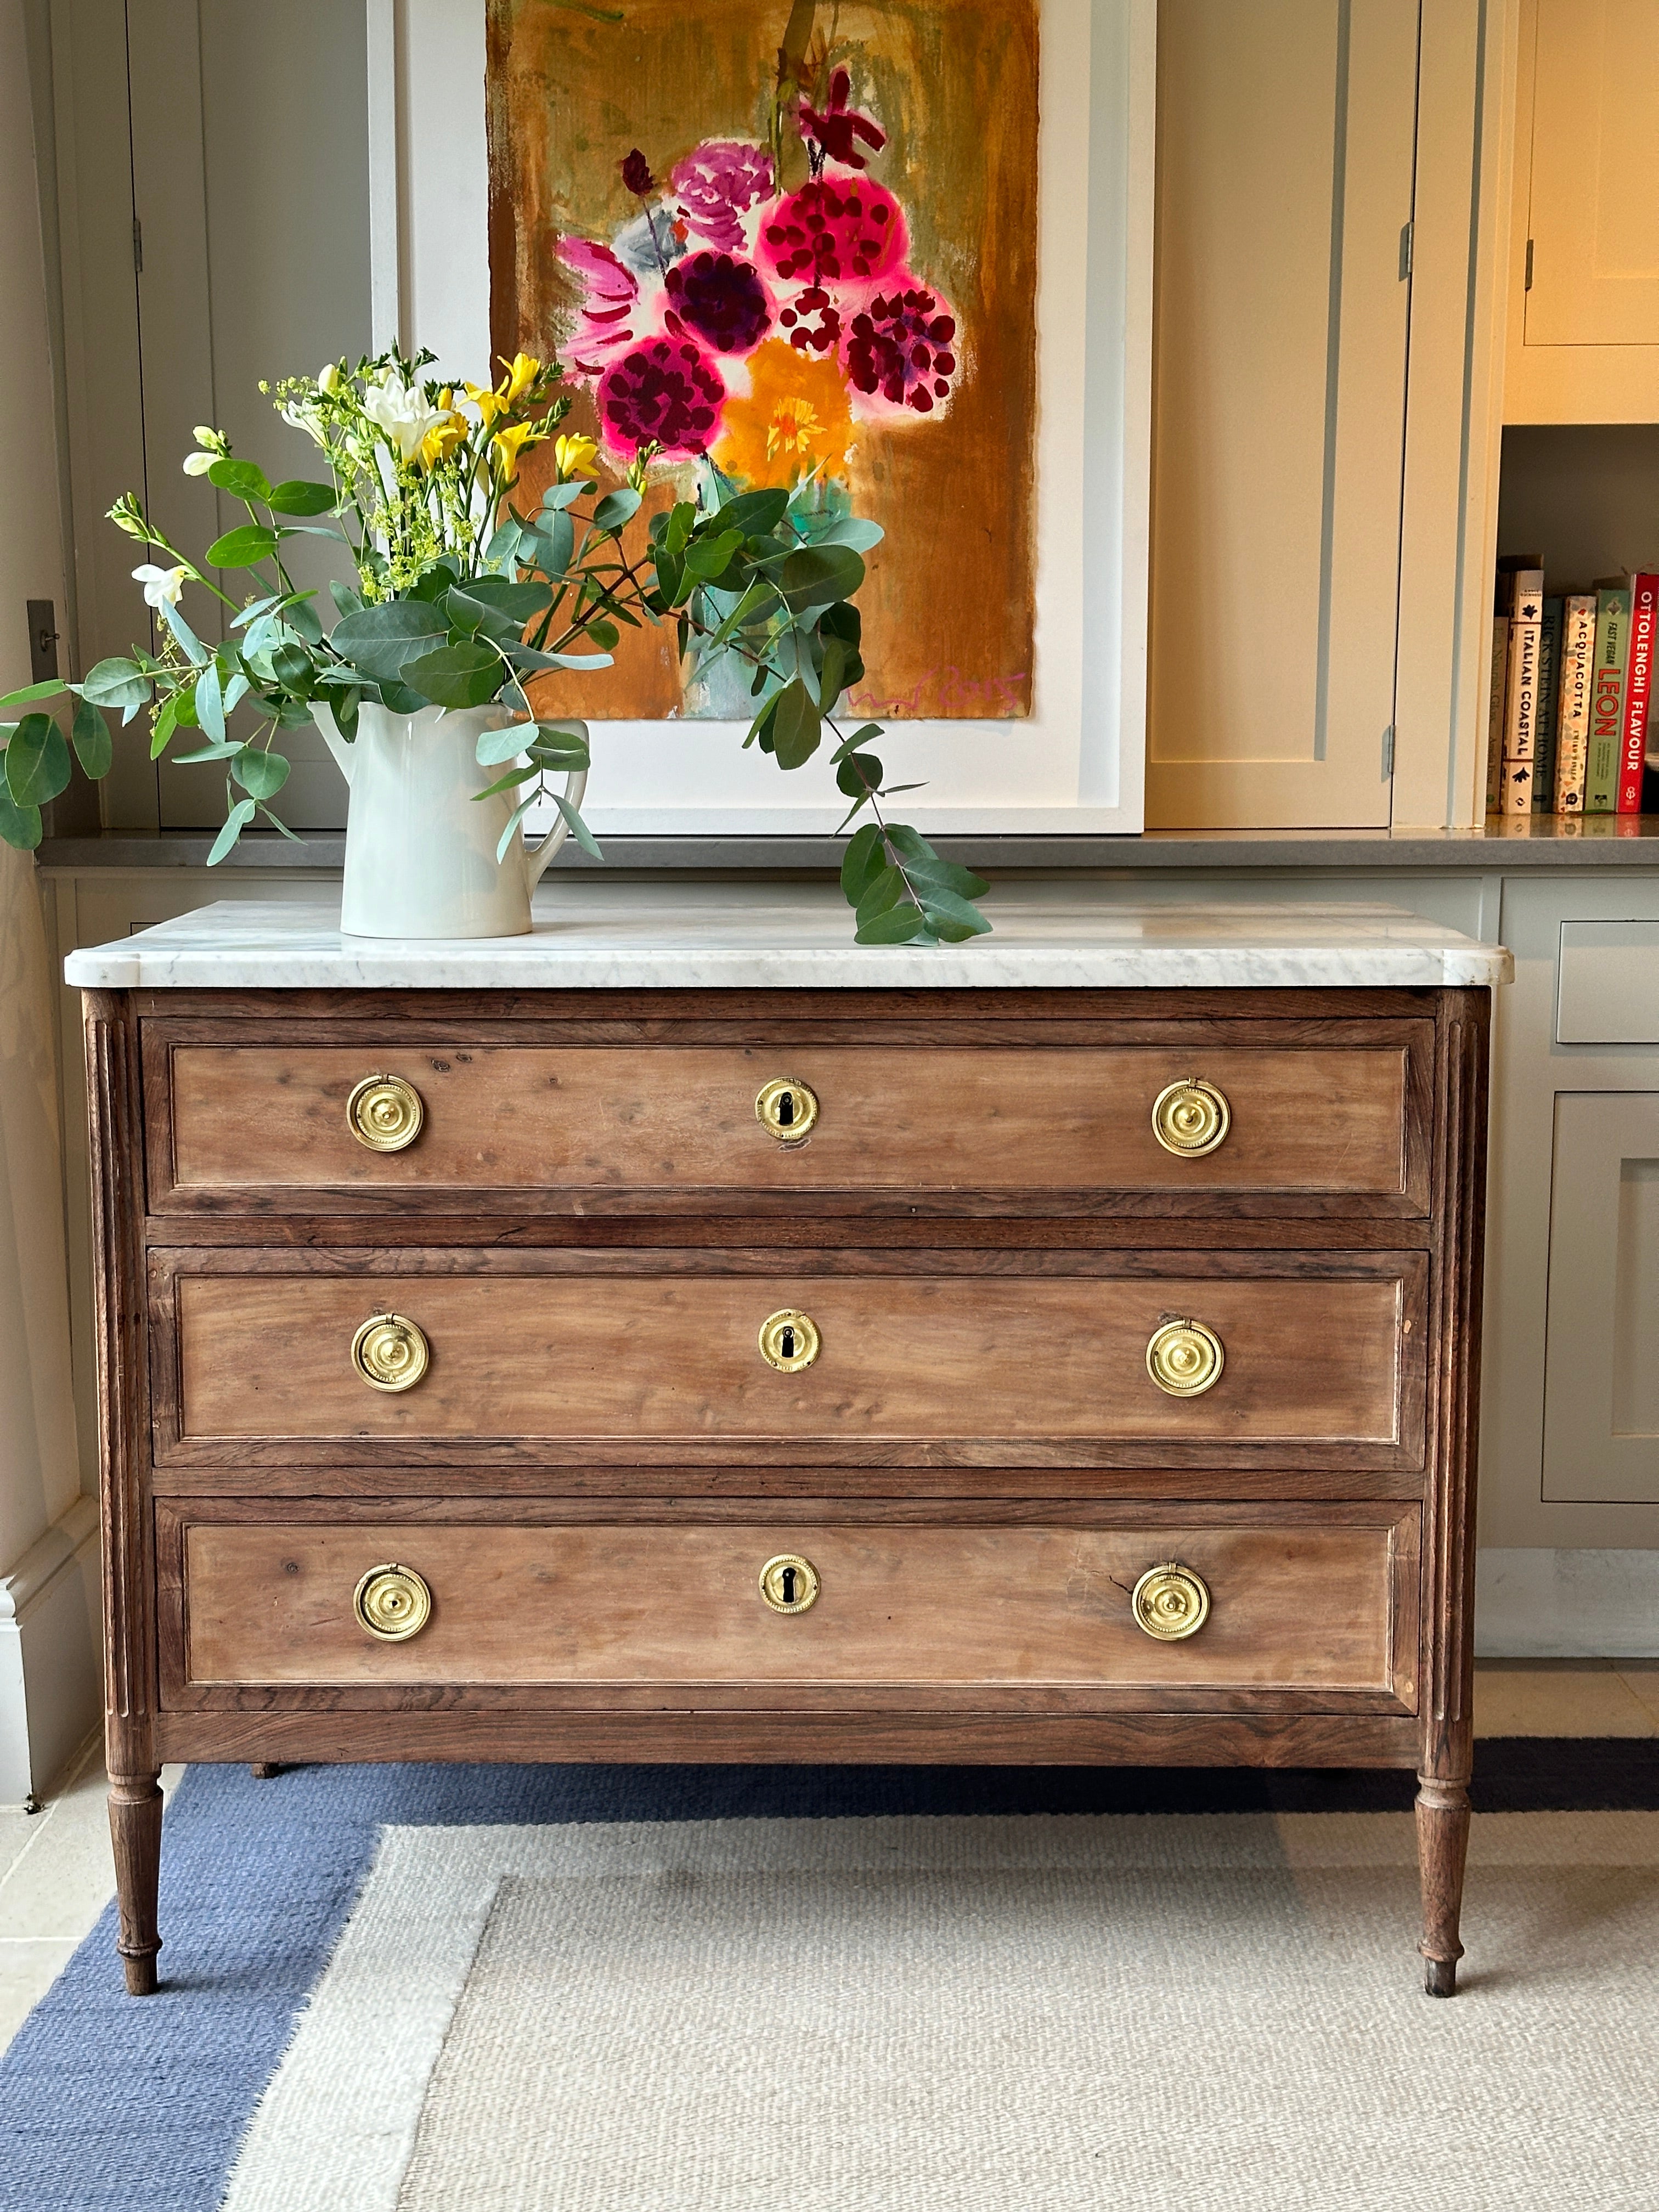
[{"x": 124, "y": 967}]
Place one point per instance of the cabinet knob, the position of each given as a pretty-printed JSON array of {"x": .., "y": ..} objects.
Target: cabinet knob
[
  {"x": 1185, "y": 1358},
  {"x": 391, "y": 1603},
  {"x": 789, "y": 1583},
  {"x": 1191, "y": 1117},
  {"x": 788, "y": 1108},
  {"x": 390, "y": 1353},
  {"x": 1171, "y": 1602},
  {"x": 385, "y": 1113},
  {"x": 789, "y": 1340}
]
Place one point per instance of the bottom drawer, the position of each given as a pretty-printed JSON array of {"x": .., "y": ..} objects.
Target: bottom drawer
[{"x": 1294, "y": 1603}]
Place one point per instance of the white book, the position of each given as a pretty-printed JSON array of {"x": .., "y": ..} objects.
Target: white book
[
  {"x": 1573, "y": 722},
  {"x": 1520, "y": 692}
]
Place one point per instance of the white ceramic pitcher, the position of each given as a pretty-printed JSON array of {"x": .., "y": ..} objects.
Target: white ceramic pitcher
[{"x": 420, "y": 858}]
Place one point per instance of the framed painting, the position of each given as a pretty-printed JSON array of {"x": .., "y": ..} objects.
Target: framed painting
[{"x": 894, "y": 256}]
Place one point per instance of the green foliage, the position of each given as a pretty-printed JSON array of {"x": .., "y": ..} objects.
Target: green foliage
[{"x": 37, "y": 762}]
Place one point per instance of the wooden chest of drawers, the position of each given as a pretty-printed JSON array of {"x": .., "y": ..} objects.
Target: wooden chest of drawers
[{"x": 965, "y": 1375}]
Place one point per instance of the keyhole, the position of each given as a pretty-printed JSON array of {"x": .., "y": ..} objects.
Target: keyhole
[
  {"x": 786, "y": 1109},
  {"x": 787, "y": 1347},
  {"x": 789, "y": 1586}
]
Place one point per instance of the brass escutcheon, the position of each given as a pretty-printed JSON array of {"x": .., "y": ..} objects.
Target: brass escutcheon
[
  {"x": 1185, "y": 1358},
  {"x": 385, "y": 1113},
  {"x": 789, "y": 1108},
  {"x": 389, "y": 1353},
  {"x": 789, "y": 1583},
  {"x": 392, "y": 1603},
  {"x": 1170, "y": 1601},
  {"x": 1191, "y": 1117},
  {"x": 789, "y": 1341}
]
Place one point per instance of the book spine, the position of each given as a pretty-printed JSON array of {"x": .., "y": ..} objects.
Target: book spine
[
  {"x": 1549, "y": 702},
  {"x": 1521, "y": 695},
  {"x": 1573, "y": 697},
  {"x": 1606, "y": 701},
  {"x": 1500, "y": 661},
  {"x": 1638, "y": 681}
]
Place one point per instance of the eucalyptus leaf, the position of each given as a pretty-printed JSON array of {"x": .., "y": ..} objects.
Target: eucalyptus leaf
[
  {"x": 221, "y": 749},
  {"x": 20, "y": 826},
  {"x": 379, "y": 640},
  {"x": 512, "y": 778},
  {"x": 37, "y": 762},
  {"x": 819, "y": 575},
  {"x": 50, "y": 689},
  {"x": 263, "y": 774},
  {"x": 346, "y": 601},
  {"x": 95, "y": 748},
  {"x": 558, "y": 496},
  {"x": 885, "y": 889},
  {"x": 852, "y": 530},
  {"x": 553, "y": 543},
  {"x": 343, "y": 706},
  {"x": 304, "y": 618},
  {"x": 897, "y": 924},
  {"x": 950, "y": 916},
  {"x": 235, "y": 822},
  {"x": 858, "y": 775},
  {"x": 166, "y": 722},
  {"x": 862, "y": 862},
  {"x": 495, "y": 746},
  {"x": 513, "y": 821},
  {"x": 578, "y": 829},
  {"x": 466, "y": 674},
  {"x": 796, "y": 727},
  {"x": 210, "y": 701},
  {"x": 196, "y": 652},
  {"x": 756, "y": 514},
  {"x": 616, "y": 507}
]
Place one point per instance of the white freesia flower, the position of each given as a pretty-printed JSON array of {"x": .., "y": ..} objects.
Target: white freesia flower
[
  {"x": 161, "y": 586},
  {"x": 301, "y": 417},
  {"x": 401, "y": 411},
  {"x": 197, "y": 464},
  {"x": 328, "y": 377},
  {"x": 213, "y": 445}
]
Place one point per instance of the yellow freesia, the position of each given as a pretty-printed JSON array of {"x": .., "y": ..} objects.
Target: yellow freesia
[
  {"x": 442, "y": 439},
  {"x": 488, "y": 403},
  {"x": 575, "y": 457},
  {"x": 512, "y": 441},
  {"x": 522, "y": 373}
]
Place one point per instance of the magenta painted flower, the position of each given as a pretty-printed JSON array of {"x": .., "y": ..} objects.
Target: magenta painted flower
[
  {"x": 717, "y": 184},
  {"x": 811, "y": 321},
  {"x": 900, "y": 347},
  {"x": 834, "y": 231},
  {"x": 719, "y": 301},
  {"x": 666, "y": 393},
  {"x": 611, "y": 316}
]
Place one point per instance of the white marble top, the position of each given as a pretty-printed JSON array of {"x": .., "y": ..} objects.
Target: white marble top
[{"x": 594, "y": 934}]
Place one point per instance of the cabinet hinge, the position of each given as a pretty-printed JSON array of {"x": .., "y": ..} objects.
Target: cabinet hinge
[
  {"x": 1527, "y": 286},
  {"x": 1387, "y": 752},
  {"x": 1405, "y": 250},
  {"x": 137, "y": 247}
]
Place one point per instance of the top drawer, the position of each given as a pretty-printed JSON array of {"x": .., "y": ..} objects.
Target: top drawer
[{"x": 551, "y": 1127}]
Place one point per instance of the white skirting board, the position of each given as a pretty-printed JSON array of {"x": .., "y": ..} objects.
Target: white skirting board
[
  {"x": 1566, "y": 1605},
  {"x": 50, "y": 1667}
]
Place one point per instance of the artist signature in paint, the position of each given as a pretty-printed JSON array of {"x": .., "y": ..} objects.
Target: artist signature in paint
[{"x": 947, "y": 691}]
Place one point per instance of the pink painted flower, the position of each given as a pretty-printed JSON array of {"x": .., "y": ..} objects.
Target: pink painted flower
[
  {"x": 611, "y": 316},
  {"x": 666, "y": 393},
  {"x": 834, "y": 232},
  {"x": 900, "y": 347},
  {"x": 717, "y": 184},
  {"x": 719, "y": 301},
  {"x": 812, "y": 321}
]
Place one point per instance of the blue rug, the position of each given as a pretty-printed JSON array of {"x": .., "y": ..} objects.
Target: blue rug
[{"x": 112, "y": 2105}]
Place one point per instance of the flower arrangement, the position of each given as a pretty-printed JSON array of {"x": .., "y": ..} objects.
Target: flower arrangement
[{"x": 765, "y": 326}]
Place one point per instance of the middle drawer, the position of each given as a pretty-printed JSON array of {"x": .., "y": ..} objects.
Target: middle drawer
[{"x": 956, "y": 1356}]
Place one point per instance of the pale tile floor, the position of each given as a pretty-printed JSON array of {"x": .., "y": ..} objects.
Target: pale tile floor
[{"x": 55, "y": 1864}]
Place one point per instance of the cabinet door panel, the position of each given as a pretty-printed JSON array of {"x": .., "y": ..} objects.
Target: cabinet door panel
[
  {"x": 1595, "y": 158},
  {"x": 1285, "y": 146}
]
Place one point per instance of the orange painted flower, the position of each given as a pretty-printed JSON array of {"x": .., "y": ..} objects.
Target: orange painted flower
[{"x": 798, "y": 419}]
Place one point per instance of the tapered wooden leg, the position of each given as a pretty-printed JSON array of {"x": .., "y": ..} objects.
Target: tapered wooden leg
[
  {"x": 135, "y": 1826},
  {"x": 1442, "y": 1843}
]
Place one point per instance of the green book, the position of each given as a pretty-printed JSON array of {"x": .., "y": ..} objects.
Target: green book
[
  {"x": 1607, "y": 698},
  {"x": 1549, "y": 705}
]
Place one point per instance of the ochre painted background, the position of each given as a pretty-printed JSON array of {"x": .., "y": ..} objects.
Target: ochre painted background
[{"x": 949, "y": 608}]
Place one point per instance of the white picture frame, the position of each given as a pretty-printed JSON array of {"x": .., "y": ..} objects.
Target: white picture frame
[{"x": 1076, "y": 764}]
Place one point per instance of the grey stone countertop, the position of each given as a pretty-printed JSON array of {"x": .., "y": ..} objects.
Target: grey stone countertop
[
  {"x": 589, "y": 934},
  {"x": 1523, "y": 843}
]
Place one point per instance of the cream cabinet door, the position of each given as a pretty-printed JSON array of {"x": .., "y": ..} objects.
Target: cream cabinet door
[
  {"x": 1585, "y": 320},
  {"x": 1285, "y": 142}
]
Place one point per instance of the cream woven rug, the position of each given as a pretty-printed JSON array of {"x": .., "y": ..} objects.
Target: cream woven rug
[{"x": 986, "y": 2014}]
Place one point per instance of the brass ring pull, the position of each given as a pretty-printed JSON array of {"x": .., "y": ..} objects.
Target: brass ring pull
[
  {"x": 789, "y": 1340},
  {"x": 1171, "y": 1602},
  {"x": 788, "y": 1108},
  {"x": 391, "y": 1603},
  {"x": 1185, "y": 1358},
  {"x": 1191, "y": 1117},
  {"x": 789, "y": 1583},
  {"x": 385, "y": 1113},
  {"x": 390, "y": 1353}
]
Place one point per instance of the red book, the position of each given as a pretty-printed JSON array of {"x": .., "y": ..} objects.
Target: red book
[{"x": 1643, "y": 617}]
